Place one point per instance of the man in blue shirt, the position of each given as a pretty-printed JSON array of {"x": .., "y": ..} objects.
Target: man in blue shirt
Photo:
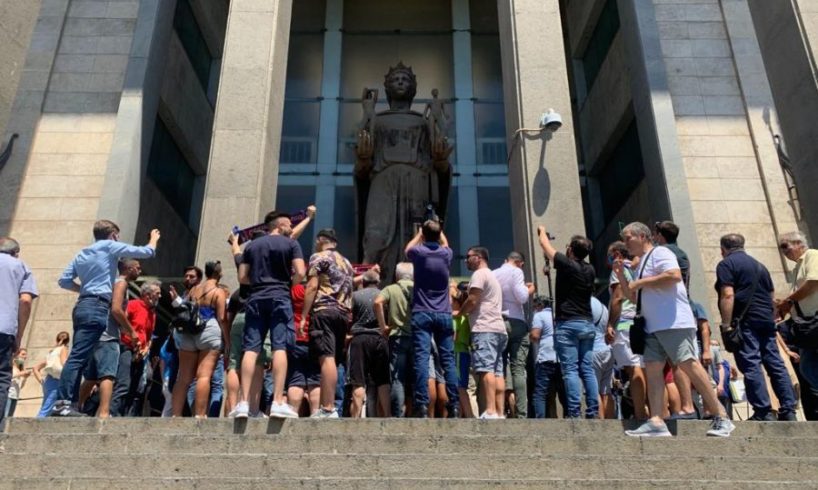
[
  {"x": 431, "y": 258},
  {"x": 17, "y": 292},
  {"x": 753, "y": 307},
  {"x": 96, "y": 268},
  {"x": 547, "y": 374}
]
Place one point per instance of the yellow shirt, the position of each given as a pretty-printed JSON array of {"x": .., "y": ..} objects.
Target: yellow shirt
[{"x": 806, "y": 269}]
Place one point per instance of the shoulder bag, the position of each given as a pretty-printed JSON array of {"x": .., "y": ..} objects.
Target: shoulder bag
[
  {"x": 731, "y": 335},
  {"x": 804, "y": 329},
  {"x": 638, "y": 331}
]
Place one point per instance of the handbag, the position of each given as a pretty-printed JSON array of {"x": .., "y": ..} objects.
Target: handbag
[
  {"x": 731, "y": 336},
  {"x": 804, "y": 329},
  {"x": 638, "y": 331}
]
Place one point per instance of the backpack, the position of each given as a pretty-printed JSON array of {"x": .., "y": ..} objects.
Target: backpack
[{"x": 186, "y": 318}]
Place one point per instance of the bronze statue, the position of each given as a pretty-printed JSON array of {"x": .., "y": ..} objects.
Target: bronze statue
[{"x": 402, "y": 169}]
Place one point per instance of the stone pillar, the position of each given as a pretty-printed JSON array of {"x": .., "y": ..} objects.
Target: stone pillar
[
  {"x": 131, "y": 144},
  {"x": 243, "y": 171},
  {"x": 543, "y": 172}
]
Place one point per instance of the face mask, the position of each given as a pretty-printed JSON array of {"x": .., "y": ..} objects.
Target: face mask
[
  {"x": 610, "y": 260},
  {"x": 19, "y": 362}
]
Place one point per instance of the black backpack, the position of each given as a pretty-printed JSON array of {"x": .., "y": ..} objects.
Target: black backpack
[{"x": 186, "y": 317}]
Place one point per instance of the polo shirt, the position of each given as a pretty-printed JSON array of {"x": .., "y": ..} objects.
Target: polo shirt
[{"x": 738, "y": 271}]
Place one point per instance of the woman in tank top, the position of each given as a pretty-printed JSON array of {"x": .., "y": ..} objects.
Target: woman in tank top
[
  {"x": 51, "y": 368},
  {"x": 198, "y": 353}
]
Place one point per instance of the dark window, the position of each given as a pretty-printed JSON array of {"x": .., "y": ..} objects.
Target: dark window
[
  {"x": 170, "y": 171},
  {"x": 187, "y": 28},
  {"x": 494, "y": 211},
  {"x": 344, "y": 222},
  {"x": 606, "y": 28},
  {"x": 621, "y": 173}
]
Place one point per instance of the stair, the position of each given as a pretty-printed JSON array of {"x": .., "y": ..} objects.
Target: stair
[{"x": 391, "y": 453}]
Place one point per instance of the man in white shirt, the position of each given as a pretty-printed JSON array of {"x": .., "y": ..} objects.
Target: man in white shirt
[
  {"x": 489, "y": 337},
  {"x": 804, "y": 294},
  {"x": 515, "y": 295},
  {"x": 670, "y": 328}
]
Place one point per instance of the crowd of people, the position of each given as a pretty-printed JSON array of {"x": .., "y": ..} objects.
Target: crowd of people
[{"x": 315, "y": 336}]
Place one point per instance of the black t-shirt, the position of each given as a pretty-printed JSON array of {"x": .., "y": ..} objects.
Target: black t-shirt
[
  {"x": 270, "y": 260},
  {"x": 574, "y": 287},
  {"x": 363, "y": 311},
  {"x": 738, "y": 271}
]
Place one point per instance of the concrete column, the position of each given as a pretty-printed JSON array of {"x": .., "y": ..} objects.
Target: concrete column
[
  {"x": 136, "y": 117},
  {"x": 464, "y": 122},
  {"x": 543, "y": 173},
  {"x": 330, "y": 105},
  {"x": 243, "y": 171},
  {"x": 654, "y": 109}
]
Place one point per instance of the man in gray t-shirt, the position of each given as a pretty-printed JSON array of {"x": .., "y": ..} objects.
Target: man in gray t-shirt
[{"x": 368, "y": 352}]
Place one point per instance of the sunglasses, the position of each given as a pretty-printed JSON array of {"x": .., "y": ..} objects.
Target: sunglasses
[
  {"x": 470, "y": 256},
  {"x": 784, "y": 246}
]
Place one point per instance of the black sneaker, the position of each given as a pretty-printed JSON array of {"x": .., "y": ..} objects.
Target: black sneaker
[
  {"x": 421, "y": 412},
  {"x": 65, "y": 410},
  {"x": 454, "y": 411},
  {"x": 757, "y": 417},
  {"x": 787, "y": 417}
]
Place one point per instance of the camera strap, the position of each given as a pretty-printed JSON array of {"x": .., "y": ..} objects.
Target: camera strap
[{"x": 641, "y": 272}]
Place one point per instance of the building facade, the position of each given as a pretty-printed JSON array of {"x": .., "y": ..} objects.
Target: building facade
[{"x": 193, "y": 116}]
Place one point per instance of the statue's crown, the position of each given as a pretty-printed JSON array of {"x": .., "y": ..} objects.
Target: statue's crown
[{"x": 400, "y": 68}]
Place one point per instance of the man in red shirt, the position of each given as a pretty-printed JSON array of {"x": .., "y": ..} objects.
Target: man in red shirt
[
  {"x": 141, "y": 315},
  {"x": 303, "y": 373}
]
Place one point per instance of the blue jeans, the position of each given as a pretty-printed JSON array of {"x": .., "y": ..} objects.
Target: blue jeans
[
  {"x": 547, "y": 378},
  {"x": 760, "y": 348},
  {"x": 50, "y": 388},
  {"x": 6, "y": 356},
  {"x": 90, "y": 318},
  {"x": 574, "y": 343},
  {"x": 340, "y": 386},
  {"x": 124, "y": 391},
  {"x": 400, "y": 367},
  {"x": 425, "y": 327}
]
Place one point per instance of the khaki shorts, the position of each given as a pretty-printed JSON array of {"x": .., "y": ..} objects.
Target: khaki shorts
[{"x": 675, "y": 345}]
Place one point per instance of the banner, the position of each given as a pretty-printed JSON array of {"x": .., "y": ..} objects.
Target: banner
[{"x": 246, "y": 234}]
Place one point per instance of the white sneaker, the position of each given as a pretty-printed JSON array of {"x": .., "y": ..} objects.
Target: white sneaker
[
  {"x": 240, "y": 411},
  {"x": 489, "y": 416},
  {"x": 650, "y": 430},
  {"x": 325, "y": 414},
  {"x": 282, "y": 411},
  {"x": 720, "y": 427}
]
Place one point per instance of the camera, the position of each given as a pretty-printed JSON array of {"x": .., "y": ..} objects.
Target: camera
[{"x": 430, "y": 214}]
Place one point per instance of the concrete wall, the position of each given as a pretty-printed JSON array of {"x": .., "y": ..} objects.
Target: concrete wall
[
  {"x": 718, "y": 167},
  {"x": 17, "y": 19},
  {"x": 789, "y": 62}
]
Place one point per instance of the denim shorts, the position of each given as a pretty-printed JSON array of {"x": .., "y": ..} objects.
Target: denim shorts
[
  {"x": 209, "y": 339},
  {"x": 268, "y": 315},
  {"x": 675, "y": 345},
  {"x": 104, "y": 362},
  {"x": 487, "y": 352}
]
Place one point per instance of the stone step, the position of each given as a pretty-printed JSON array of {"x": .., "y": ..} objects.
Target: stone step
[
  {"x": 384, "y": 483},
  {"x": 306, "y": 443},
  {"x": 708, "y": 466},
  {"x": 549, "y": 427}
]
